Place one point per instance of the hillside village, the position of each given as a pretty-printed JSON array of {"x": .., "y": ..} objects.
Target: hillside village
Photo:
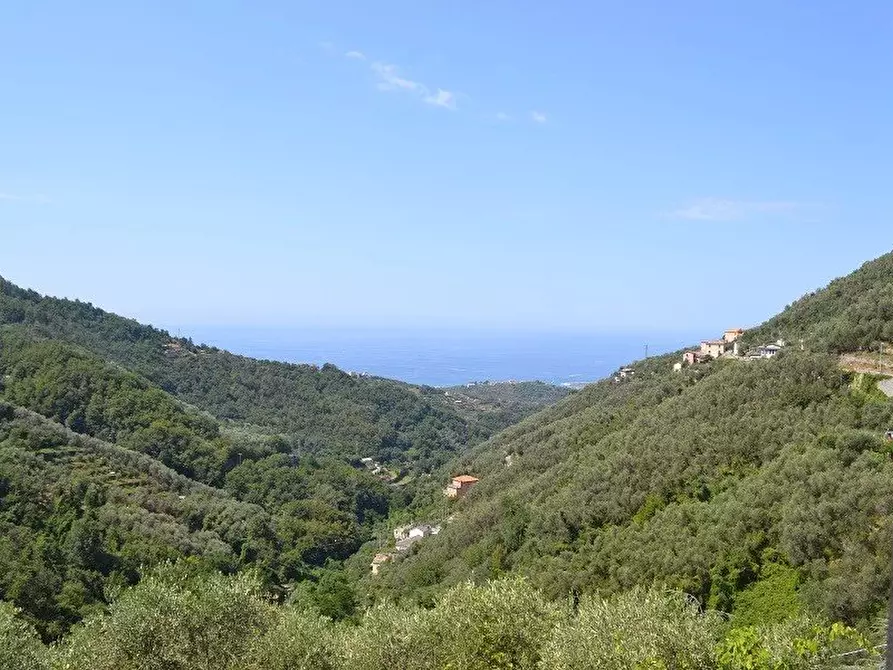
[
  {"x": 407, "y": 535},
  {"x": 728, "y": 346}
]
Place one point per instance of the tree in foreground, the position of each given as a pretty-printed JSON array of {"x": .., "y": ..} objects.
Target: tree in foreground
[
  {"x": 641, "y": 629},
  {"x": 20, "y": 646}
]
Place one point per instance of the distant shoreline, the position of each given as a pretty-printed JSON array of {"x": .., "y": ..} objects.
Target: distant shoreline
[{"x": 430, "y": 359}]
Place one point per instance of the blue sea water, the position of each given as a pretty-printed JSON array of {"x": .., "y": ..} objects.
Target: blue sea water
[{"x": 441, "y": 358}]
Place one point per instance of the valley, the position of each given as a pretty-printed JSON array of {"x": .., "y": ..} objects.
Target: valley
[{"x": 762, "y": 489}]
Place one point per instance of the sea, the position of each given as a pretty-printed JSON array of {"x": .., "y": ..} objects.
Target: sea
[{"x": 447, "y": 358}]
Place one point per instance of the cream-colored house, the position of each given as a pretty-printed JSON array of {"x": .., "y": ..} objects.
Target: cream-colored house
[
  {"x": 713, "y": 348},
  {"x": 732, "y": 334}
]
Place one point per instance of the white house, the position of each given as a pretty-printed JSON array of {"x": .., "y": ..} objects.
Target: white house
[
  {"x": 769, "y": 350},
  {"x": 420, "y": 531}
]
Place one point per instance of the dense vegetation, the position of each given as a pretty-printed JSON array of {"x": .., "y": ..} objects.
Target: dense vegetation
[
  {"x": 499, "y": 405},
  {"x": 80, "y": 518},
  {"x": 177, "y": 619},
  {"x": 762, "y": 489},
  {"x": 324, "y": 410},
  {"x": 298, "y": 512},
  {"x": 277, "y": 445},
  {"x": 852, "y": 313}
]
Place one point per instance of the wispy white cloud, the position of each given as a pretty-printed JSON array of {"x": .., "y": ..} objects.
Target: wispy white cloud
[
  {"x": 442, "y": 98},
  {"x": 390, "y": 79},
  {"x": 724, "y": 209}
]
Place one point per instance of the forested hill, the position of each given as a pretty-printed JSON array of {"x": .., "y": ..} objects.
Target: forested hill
[
  {"x": 324, "y": 410},
  {"x": 501, "y": 404},
  {"x": 762, "y": 487},
  {"x": 122, "y": 447},
  {"x": 852, "y": 313},
  {"x": 80, "y": 517}
]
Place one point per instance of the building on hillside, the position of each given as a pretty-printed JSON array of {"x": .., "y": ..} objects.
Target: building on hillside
[
  {"x": 625, "y": 372},
  {"x": 713, "y": 348},
  {"x": 378, "y": 561},
  {"x": 765, "y": 351},
  {"x": 691, "y": 357},
  {"x": 677, "y": 367},
  {"x": 460, "y": 485},
  {"x": 412, "y": 532},
  {"x": 732, "y": 334},
  {"x": 414, "y": 536},
  {"x": 420, "y": 531}
]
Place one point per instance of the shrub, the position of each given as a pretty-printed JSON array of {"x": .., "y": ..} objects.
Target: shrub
[
  {"x": 299, "y": 640},
  {"x": 503, "y": 624},
  {"x": 796, "y": 644},
  {"x": 636, "y": 631},
  {"x": 20, "y": 647},
  {"x": 172, "y": 622},
  {"x": 388, "y": 637}
]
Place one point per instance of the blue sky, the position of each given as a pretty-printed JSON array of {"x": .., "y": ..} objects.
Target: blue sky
[{"x": 499, "y": 164}]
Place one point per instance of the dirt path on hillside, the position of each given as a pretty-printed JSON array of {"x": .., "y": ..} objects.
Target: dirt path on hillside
[{"x": 870, "y": 364}]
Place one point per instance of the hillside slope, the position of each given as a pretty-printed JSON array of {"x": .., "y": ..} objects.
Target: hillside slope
[
  {"x": 498, "y": 405},
  {"x": 324, "y": 409},
  {"x": 79, "y": 516},
  {"x": 242, "y": 463},
  {"x": 852, "y": 313},
  {"x": 760, "y": 487}
]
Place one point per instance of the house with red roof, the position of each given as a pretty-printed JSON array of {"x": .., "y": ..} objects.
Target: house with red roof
[{"x": 460, "y": 485}]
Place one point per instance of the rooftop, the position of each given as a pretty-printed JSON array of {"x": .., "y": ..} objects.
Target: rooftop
[{"x": 465, "y": 479}]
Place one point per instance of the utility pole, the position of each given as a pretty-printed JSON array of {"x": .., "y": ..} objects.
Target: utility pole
[{"x": 646, "y": 350}]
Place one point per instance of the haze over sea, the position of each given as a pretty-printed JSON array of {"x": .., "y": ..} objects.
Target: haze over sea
[{"x": 446, "y": 358}]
